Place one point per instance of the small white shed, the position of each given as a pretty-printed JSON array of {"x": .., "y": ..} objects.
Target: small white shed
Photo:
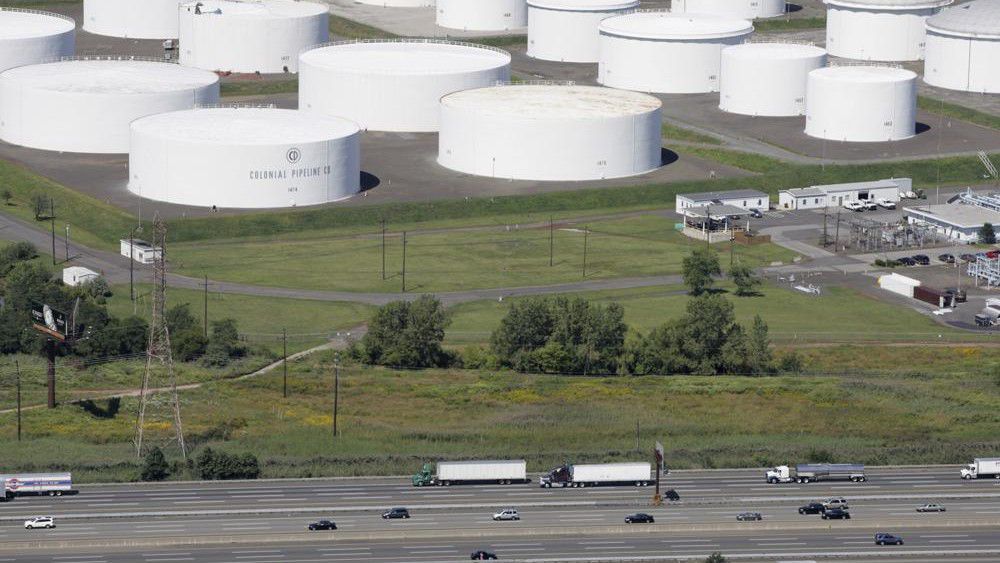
[{"x": 78, "y": 275}]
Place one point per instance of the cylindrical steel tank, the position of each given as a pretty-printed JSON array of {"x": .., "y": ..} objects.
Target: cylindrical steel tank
[
  {"x": 30, "y": 37},
  {"x": 878, "y": 30},
  {"x": 861, "y": 103},
  {"x": 566, "y": 30},
  {"x": 482, "y": 15},
  {"x": 963, "y": 48},
  {"x": 132, "y": 19},
  {"x": 745, "y": 9},
  {"x": 767, "y": 79}
]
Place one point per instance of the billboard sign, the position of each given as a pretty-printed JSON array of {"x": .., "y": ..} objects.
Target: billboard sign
[{"x": 49, "y": 321}]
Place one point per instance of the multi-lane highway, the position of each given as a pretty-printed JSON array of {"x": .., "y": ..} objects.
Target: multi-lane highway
[{"x": 266, "y": 520}]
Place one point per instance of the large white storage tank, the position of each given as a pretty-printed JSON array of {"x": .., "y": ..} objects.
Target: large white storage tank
[
  {"x": 29, "y": 37},
  {"x": 394, "y": 85},
  {"x": 398, "y": 3},
  {"x": 87, "y": 105},
  {"x": 244, "y": 158},
  {"x": 566, "y": 30},
  {"x": 550, "y": 132},
  {"x": 861, "y": 103},
  {"x": 746, "y": 9},
  {"x": 666, "y": 53},
  {"x": 963, "y": 48},
  {"x": 482, "y": 15},
  {"x": 133, "y": 19},
  {"x": 264, "y": 36},
  {"x": 767, "y": 79},
  {"x": 878, "y": 30}
]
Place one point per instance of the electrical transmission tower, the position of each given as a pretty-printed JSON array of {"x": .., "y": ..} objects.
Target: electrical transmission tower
[{"x": 158, "y": 400}]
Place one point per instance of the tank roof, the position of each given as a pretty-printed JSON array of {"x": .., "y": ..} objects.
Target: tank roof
[
  {"x": 262, "y": 10},
  {"x": 110, "y": 76},
  {"x": 553, "y": 101},
  {"x": 406, "y": 56},
  {"x": 246, "y": 126},
  {"x": 666, "y": 25},
  {"x": 774, "y": 51},
  {"x": 891, "y": 5},
  {"x": 585, "y": 5},
  {"x": 864, "y": 74},
  {"x": 979, "y": 18},
  {"x": 23, "y": 24}
]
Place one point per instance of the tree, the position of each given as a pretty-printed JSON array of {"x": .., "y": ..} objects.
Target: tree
[
  {"x": 525, "y": 328},
  {"x": 223, "y": 344},
  {"x": 218, "y": 465},
  {"x": 404, "y": 334},
  {"x": 39, "y": 205},
  {"x": 155, "y": 467},
  {"x": 7, "y": 196},
  {"x": 715, "y": 557},
  {"x": 745, "y": 279},
  {"x": 698, "y": 270},
  {"x": 760, "y": 359},
  {"x": 707, "y": 324},
  {"x": 987, "y": 235}
]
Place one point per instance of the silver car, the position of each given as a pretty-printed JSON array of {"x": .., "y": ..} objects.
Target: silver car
[
  {"x": 507, "y": 514},
  {"x": 931, "y": 507}
]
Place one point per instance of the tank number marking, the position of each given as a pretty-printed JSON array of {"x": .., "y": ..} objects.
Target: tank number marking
[{"x": 293, "y": 189}]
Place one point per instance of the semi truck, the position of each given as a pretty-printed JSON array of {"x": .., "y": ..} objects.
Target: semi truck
[
  {"x": 26, "y": 484},
  {"x": 592, "y": 475},
  {"x": 982, "y": 467},
  {"x": 503, "y": 472},
  {"x": 807, "y": 472}
]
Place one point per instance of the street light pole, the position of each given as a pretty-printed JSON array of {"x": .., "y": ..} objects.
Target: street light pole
[{"x": 336, "y": 392}]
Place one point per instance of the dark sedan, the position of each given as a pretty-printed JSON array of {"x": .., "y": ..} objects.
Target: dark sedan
[
  {"x": 947, "y": 258},
  {"x": 907, "y": 261},
  {"x": 482, "y": 555},
  {"x": 396, "y": 513},
  {"x": 639, "y": 518},
  {"x": 323, "y": 525},
  {"x": 888, "y": 539},
  {"x": 836, "y": 514},
  {"x": 922, "y": 259},
  {"x": 812, "y": 508}
]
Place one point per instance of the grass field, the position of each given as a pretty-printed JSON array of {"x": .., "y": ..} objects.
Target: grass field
[
  {"x": 241, "y": 88},
  {"x": 839, "y": 315},
  {"x": 260, "y": 319},
  {"x": 958, "y": 112},
  {"x": 789, "y": 24},
  {"x": 672, "y": 132},
  {"x": 637, "y": 246},
  {"x": 392, "y": 422}
]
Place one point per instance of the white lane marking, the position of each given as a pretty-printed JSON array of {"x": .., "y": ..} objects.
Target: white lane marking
[
  {"x": 257, "y": 551},
  {"x": 944, "y": 535},
  {"x": 610, "y": 547},
  {"x": 601, "y": 542},
  {"x": 199, "y": 501},
  {"x": 515, "y": 544},
  {"x": 287, "y": 499},
  {"x": 165, "y": 559},
  {"x": 166, "y": 554},
  {"x": 428, "y": 547}
]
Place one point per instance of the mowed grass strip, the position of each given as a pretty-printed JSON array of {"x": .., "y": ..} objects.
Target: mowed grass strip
[
  {"x": 391, "y": 422},
  {"x": 956, "y": 111},
  {"x": 459, "y": 260}
]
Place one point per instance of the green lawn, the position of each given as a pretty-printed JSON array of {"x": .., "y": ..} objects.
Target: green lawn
[
  {"x": 672, "y": 132},
  {"x": 788, "y": 24},
  {"x": 637, "y": 246},
  {"x": 341, "y": 27},
  {"x": 391, "y": 422},
  {"x": 956, "y": 111},
  {"x": 838, "y": 315},
  {"x": 260, "y": 319},
  {"x": 259, "y": 87}
]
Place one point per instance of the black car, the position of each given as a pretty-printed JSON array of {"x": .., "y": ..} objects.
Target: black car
[
  {"x": 907, "y": 261},
  {"x": 749, "y": 517},
  {"x": 836, "y": 514},
  {"x": 959, "y": 295},
  {"x": 671, "y": 495},
  {"x": 396, "y": 513},
  {"x": 323, "y": 525},
  {"x": 968, "y": 257},
  {"x": 922, "y": 259},
  {"x": 756, "y": 214},
  {"x": 639, "y": 518},
  {"x": 482, "y": 555},
  {"x": 887, "y": 539},
  {"x": 947, "y": 258},
  {"x": 812, "y": 508}
]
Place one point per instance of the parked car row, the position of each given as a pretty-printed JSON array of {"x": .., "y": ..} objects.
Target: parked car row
[{"x": 868, "y": 204}]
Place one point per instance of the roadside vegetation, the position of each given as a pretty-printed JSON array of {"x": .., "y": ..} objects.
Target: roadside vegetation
[{"x": 956, "y": 111}]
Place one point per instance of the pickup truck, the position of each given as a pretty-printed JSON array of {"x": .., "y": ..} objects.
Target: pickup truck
[
  {"x": 854, "y": 205},
  {"x": 886, "y": 203}
]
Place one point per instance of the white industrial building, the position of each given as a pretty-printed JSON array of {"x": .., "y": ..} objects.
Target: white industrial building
[
  {"x": 861, "y": 103},
  {"x": 744, "y": 9},
  {"x": 78, "y": 275},
  {"x": 398, "y": 3},
  {"x": 961, "y": 218},
  {"x": 30, "y": 37},
  {"x": 550, "y": 132},
  {"x": 482, "y": 15},
  {"x": 133, "y": 19},
  {"x": 963, "y": 48},
  {"x": 835, "y": 195},
  {"x": 566, "y": 30},
  {"x": 244, "y": 158},
  {"x": 86, "y": 105},
  {"x": 394, "y": 85},
  {"x": 879, "y": 30},
  {"x": 666, "y": 53},
  {"x": 744, "y": 200},
  {"x": 767, "y": 79},
  {"x": 238, "y": 36},
  {"x": 139, "y": 250}
]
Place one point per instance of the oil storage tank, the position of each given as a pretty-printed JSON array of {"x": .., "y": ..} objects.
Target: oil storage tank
[
  {"x": 879, "y": 30},
  {"x": 550, "y": 132},
  {"x": 30, "y": 36},
  {"x": 767, "y": 79},
  {"x": 482, "y": 15},
  {"x": 244, "y": 158},
  {"x": 398, "y": 3},
  {"x": 963, "y": 48},
  {"x": 861, "y": 103},
  {"x": 86, "y": 105},
  {"x": 566, "y": 30},
  {"x": 394, "y": 85},
  {"x": 133, "y": 19},
  {"x": 746, "y": 9},
  {"x": 264, "y": 36},
  {"x": 665, "y": 52}
]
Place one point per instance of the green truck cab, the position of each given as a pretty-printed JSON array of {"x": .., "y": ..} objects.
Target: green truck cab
[{"x": 425, "y": 478}]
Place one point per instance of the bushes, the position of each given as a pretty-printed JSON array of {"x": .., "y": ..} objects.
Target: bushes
[
  {"x": 408, "y": 335},
  {"x": 155, "y": 466},
  {"x": 218, "y": 465}
]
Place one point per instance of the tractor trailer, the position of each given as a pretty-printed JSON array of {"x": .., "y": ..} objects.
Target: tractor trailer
[
  {"x": 592, "y": 475},
  {"x": 807, "y": 472},
  {"x": 982, "y": 467},
  {"x": 25, "y": 484},
  {"x": 503, "y": 472}
]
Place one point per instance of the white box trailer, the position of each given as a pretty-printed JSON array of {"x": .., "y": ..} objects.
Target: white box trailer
[
  {"x": 982, "y": 467},
  {"x": 588, "y": 475},
  {"x": 898, "y": 284},
  {"x": 25, "y": 484},
  {"x": 503, "y": 472}
]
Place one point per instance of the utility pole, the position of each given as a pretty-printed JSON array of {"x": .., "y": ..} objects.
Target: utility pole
[
  {"x": 336, "y": 391},
  {"x": 404, "y": 262},
  {"x": 551, "y": 240},
  {"x": 836, "y": 240},
  {"x": 52, "y": 222},
  {"x": 17, "y": 369},
  {"x": 383, "y": 248},
  {"x": 586, "y": 235},
  {"x": 732, "y": 248},
  {"x": 284, "y": 362},
  {"x": 708, "y": 226},
  {"x": 206, "y": 307},
  {"x": 826, "y": 233},
  {"x": 50, "y": 355},
  {"x": 131, "y": 264},
  {"x": 67, "y": 242},
  {"x": 637, "y": 435}
]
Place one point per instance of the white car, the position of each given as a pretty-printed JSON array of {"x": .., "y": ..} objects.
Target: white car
[
  {"x": 39, "y": 522},
  {"x": 870, "y": 205},
  {"x": 507, "y": 514},
  {"x": 887, "y": 203},
  {"x": 836, "y": 502},
  {"x": 854, "y": 205}
]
